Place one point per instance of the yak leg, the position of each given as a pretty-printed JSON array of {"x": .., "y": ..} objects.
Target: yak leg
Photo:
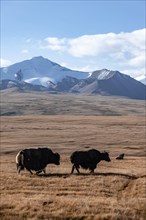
[
  {"x": 92, "y": 168},
  {"x": 19, "y": 169},
  {"x": 30, "y": 171},
  {"x": 39, "y": 171},
  {"x": 73, "y": 167},
  {"x": 92, "y": 171},
  {"x": 77, "y": 168},
  {"x": 44, "y": 170}
]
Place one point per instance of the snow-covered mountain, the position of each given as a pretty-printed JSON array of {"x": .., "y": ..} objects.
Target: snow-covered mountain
[
  {"x": 39, "y": 71},
  {"x": 41, "y": 74},
  {"x": 114, "y": 83}
]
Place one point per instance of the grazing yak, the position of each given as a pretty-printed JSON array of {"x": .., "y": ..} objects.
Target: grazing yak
[
  {"x": 36, "y": 159},
  {"x": 87, "y": 159}
]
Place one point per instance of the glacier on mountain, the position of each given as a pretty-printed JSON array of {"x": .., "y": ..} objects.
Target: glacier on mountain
[{"x": 39, "y": 70}]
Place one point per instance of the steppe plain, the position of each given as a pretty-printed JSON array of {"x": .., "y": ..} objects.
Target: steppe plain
[{"x": 66, "y": 123}]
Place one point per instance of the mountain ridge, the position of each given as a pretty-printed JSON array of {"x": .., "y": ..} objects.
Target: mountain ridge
[
  {"x": 41, "y": 74},
  {"x": 39, "y": 68}
]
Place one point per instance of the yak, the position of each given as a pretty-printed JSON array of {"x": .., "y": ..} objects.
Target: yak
[
  {"x": 87, "y": 159},
  {"x": 36, "y": 159}
]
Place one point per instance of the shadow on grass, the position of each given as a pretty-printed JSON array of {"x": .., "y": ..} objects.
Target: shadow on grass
[{"x": 65, "y": 175}]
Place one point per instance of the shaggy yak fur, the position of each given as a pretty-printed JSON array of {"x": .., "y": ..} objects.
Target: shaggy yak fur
[
  {"x": 36, "y": 159},
  {"x": 87, "y": 159}
]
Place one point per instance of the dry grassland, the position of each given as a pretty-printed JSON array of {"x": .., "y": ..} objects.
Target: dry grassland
[
  {"x": 27, "y": 103},
  {"x": 116, "y": 191}
]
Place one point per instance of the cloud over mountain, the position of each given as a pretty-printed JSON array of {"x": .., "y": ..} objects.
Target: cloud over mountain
[
  {"x": 122, "y": 51},
  {"x": 126, "y": 50},
  {"x": 118, "y": 45}
]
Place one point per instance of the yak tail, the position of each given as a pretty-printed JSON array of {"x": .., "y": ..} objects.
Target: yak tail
[{"x": 20, "y": 161}]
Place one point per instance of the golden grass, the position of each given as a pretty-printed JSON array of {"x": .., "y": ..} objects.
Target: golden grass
[
  {"x": 117, "y": 189},
  {"x": 67, "y": 133},
  {"x": 65, "y": 123},
  {"x": 59, "y": 195}
]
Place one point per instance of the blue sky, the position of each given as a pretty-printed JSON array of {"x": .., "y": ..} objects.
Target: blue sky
[{"x": 82, "y": 35}]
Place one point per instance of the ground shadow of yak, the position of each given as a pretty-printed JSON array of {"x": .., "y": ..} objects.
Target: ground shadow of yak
[{"x": 65, "y": 175}]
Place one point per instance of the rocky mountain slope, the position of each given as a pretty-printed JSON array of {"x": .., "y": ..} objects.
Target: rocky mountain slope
[{"x": 39, "y": 74}]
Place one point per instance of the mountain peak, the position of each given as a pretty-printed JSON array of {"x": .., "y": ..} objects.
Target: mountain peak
[
  {"x": 103, "y": 74},
  {"x": 38, "y": 69},
  {"x": 38, "y": 57},
  {"x": 41, "y": 59}
]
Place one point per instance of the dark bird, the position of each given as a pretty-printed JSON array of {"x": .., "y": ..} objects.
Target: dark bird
[{"x": 120, "y": 157}]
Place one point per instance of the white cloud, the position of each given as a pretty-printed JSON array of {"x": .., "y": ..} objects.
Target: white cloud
[
  {"x": 4, "y": 62},
  {"x": 94, "y": 45},
  {"x": 110, "y": 44},
  {"x": 137, "y": 61},
  {"x": 122, "y": 51},
  {"x": 120, "y": 46},
  {"x": 24, "y": 51},
  {"x": 135, "y": 72},
  {"x": 87, "y": 68},
  {"x": 54, "y": 43}
]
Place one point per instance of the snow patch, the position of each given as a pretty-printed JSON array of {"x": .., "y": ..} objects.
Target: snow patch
[
  {"x": 39, "y": 71},
  {"x": 39, "y": 81},
  {"x": 104, "y": 74}
]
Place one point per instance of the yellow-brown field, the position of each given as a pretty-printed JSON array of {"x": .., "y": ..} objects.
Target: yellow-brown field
[{"x": 116, "y": 190}]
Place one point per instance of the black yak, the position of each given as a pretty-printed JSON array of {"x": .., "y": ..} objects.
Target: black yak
[
  {"x": 87, "y": 159},
  {"x": 36, "y": 159}
]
